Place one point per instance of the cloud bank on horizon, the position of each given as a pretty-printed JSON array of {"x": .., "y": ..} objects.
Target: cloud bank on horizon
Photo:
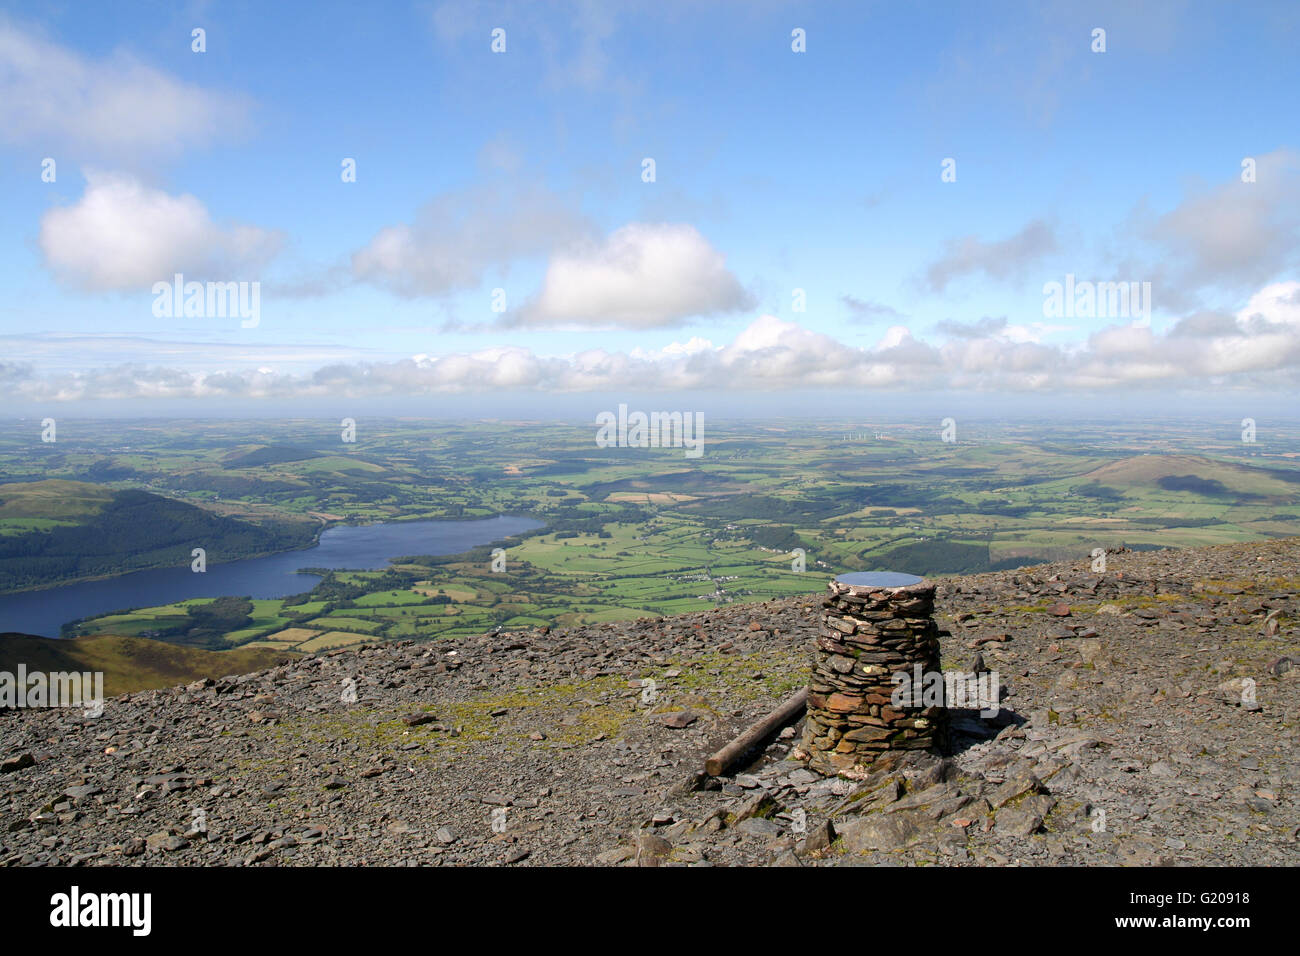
[{"x": 605, "y": 199}]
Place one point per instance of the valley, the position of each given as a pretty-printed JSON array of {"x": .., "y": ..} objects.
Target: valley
[{"x": 770, "y": 509}]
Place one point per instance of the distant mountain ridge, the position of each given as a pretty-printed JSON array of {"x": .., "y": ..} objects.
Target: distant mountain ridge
[{"x": 1194, "y": 473}]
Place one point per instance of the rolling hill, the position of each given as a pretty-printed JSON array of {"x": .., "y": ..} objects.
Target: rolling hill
[
  {"x": 1186, "y": 473},
  {"x": 130, "y": 664},
  {"x": 63, "y": 530},
  {"x": 52, "y": 500}
]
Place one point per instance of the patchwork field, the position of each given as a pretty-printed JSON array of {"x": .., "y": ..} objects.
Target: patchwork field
[{"x": 770, "y": 509}]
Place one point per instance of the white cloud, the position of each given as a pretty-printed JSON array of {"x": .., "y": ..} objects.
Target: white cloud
[
  {"x": 122, "y": 235},
  {"x": 115, "y": 108},
  {"x": 1278, "y": 303},
  {"x": 1032, "y": 331},
  {"x": 692, "y": 345},
  {"x": 767, "y": 333},
  {"x": 568, "y": 37},
  {"x": 1000, "y": 259},
  {"x": 641, "y": 276},
  {"x": 894, "y": 336},
  {"x": 865, "y": 310},
  {"x": 1236, "y": 235},
  {"x": 458, "y": 236},
  {"x": 768, "y": 355}
]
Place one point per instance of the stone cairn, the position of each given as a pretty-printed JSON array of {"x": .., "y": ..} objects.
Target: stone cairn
[{"x": 871, "y": 631}]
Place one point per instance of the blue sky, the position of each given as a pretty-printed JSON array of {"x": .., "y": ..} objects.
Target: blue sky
[{"x": 775, "y": 171}]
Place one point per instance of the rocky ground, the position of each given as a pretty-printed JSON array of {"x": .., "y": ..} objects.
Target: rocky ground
[{"x": 1128, "y": 736}]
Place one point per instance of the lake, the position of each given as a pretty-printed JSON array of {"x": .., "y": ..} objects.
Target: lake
[{"x": 343, "y": 547}]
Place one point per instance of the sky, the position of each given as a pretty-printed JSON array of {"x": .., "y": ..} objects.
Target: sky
[{"x": 510, "y": 208}]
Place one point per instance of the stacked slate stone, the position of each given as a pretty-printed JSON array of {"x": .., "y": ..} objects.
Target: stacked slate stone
[{"x": 869, "y": 633}]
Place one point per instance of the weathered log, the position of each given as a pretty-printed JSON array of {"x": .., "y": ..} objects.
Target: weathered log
[{"x": 790, "y": 710}]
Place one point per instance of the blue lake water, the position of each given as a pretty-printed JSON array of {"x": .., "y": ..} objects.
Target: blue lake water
[{"x": 343, "y": 547}]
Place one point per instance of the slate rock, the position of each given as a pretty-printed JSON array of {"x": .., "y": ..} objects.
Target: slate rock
[
  {"x": 679, "y": 719},
  {"x": 880, "y": 832},
  {"x": 652, "y": 850},
  {"x": 10, "y": 764}
]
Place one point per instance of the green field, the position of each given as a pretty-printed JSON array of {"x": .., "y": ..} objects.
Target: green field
[{"x": 633, "y": 532}]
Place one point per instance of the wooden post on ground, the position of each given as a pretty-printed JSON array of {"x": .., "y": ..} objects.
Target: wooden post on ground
[{"x": 789, "y": 711}]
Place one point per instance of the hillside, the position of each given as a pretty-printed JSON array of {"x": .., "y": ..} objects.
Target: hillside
[
  {"x": 1193, "y": 473},
  {"x": 1122, "y": 740},
  {"x": 130, "y": 664},
  {"x": 50, "y": 501},
  {"x": 64, "y": 530},
  {"x": 256, "y": 455}
]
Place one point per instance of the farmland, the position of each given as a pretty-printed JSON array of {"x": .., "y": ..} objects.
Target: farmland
[{"x": 771, "y": 508}]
